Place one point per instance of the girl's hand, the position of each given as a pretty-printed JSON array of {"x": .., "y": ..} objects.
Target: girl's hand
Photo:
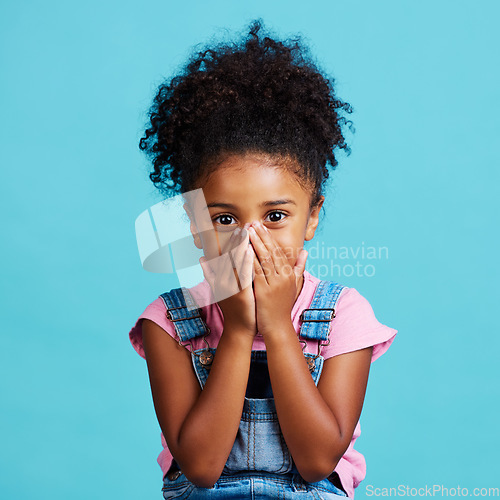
[
  {"x": 230, "y": 277},
  {"x": 276, "y": 282}
]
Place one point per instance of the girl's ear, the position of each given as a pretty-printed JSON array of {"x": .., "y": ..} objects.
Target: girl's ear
[
  {"x": 193, "y": 228},
  {"x": 313, "y": 220}
]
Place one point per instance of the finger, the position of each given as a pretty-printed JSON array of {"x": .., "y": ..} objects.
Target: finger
[
  {"x": 229, "y": 243},
  {"x": 207, "y": 271},
  {"x": 279, "y": 258},
  {"x": 301, "y": 263},
  {"x": 282, "y": 260},
  {"x": 235, "y": 277},
  {"x": 264, "y": 256},
  {"x": 229, "y": 281},
  {"x": 228, "y": 265},
  {"x": 247, "y": 272},
  {"x": 222, "y": 278},
  {"x": 239, "y": 254},
  {"x": 235, "y": 271},
  {"x": 259, "y": 271},
  {"x": 240, "y": 245}
]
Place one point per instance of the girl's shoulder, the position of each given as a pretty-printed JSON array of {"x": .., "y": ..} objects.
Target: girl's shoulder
[
  {"x": 157, "y": 311},
  {"x": 355, "y": 325}
]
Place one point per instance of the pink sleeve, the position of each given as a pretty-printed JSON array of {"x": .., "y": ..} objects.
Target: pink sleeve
[
  {"x": 156, "y": 312},
  {"x": 356, "y": 327}
]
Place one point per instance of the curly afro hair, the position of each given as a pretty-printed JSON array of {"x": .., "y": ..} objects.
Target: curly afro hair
[{"x": 261, "y": 96}]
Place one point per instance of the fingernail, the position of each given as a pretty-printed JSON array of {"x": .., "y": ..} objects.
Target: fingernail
[{"x": 237, "y": 231}]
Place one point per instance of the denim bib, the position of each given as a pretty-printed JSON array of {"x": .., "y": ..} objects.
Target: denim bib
[{"x": 259, "y": 445}]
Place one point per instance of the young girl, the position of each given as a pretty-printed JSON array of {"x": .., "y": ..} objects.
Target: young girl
[{"x": 258, "y": 394}]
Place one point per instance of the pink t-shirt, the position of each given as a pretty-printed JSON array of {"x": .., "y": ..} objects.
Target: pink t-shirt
[{"x": 354, "y": 327}]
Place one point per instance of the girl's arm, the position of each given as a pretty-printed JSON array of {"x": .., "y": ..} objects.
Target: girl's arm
[
  {"x": 199, "y": 426},
  {"x": 317, "y": 422}
]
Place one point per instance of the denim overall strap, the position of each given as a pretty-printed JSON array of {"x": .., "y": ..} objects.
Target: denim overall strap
[
  {"x": 185, "y": 314},
  {"x": 316, "y": 319},
  {"x": 183, "y": 311}
]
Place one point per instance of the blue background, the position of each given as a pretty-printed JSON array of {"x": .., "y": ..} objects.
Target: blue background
[{"x": 77, "y": 416}]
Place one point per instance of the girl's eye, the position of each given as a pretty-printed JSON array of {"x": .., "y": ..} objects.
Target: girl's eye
[
  {"x": 273, "y": 216},
  {"x": 223, "y": 219},
  {"x": 227, "y": 220}
]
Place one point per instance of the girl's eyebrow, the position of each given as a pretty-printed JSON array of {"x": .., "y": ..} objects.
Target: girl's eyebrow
[{"x": 263, "y": 204}]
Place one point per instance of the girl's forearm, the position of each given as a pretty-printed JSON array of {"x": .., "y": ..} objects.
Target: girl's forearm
[
  {"x": 309, "y": 427},
  {"x": 209, "y": 431}
]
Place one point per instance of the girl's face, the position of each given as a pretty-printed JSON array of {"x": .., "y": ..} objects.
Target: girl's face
[{"x": 249, "y": 188}]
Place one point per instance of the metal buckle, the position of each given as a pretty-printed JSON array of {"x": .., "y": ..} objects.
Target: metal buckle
[
  {"x": 321, "y": 343},
  {"x": 301, "y": 317},
  {"x": 169, "y": 316}
]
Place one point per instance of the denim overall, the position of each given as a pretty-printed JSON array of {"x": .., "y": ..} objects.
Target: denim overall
[{"x": 259, "y": 464}]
